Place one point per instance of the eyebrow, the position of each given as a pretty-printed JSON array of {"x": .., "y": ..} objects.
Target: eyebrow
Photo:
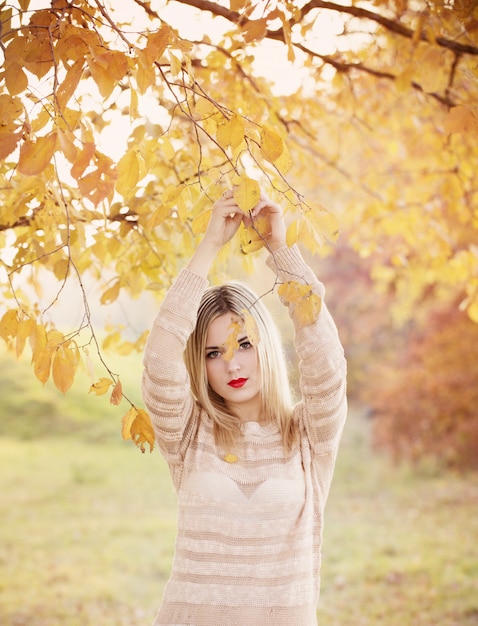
[{"x": 240, "y": 340}]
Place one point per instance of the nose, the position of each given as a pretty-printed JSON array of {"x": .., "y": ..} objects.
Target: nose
[{"x": 233, "y": 365}]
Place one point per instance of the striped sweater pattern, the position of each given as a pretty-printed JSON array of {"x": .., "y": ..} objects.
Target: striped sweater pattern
[{"x": 248, "y": 546}]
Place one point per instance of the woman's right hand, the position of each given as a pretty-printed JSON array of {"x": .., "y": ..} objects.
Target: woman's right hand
[{"x": 226, "y": 217}]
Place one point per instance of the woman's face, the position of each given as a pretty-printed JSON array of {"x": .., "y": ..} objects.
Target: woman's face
[{"x": 236, "y": 379}]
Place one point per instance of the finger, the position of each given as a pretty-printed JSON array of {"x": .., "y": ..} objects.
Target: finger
[{"x": 254, "y": 212}]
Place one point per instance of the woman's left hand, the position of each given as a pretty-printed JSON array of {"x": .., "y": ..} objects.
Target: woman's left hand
[{"x": 275, "y": 235}]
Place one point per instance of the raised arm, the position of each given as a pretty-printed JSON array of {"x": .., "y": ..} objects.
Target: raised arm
[
  {"x": 166, "y": 385},
  {"x": 321, "y": 356}
]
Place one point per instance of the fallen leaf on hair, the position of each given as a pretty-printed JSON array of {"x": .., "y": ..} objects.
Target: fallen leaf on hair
[{"x": 231, "y": 344}]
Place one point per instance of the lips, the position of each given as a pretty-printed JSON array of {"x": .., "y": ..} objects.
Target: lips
[{"x": 237, "y": 383}]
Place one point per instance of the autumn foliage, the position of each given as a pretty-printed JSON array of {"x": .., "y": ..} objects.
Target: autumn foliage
[
  {"x": 119, "y": 128},
  {"x": 425, "y": 403},
  {"x": 415, "y": 379}
]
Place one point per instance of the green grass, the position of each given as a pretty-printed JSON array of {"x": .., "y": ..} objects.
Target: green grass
[
  {"x": 400, "y": 545},
  {"x": 87, "y": 524}
]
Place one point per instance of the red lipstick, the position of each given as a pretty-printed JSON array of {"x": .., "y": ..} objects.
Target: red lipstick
[{"x": 237, "y": 383}]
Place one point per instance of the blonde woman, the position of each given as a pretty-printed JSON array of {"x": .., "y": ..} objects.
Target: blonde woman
[{"x": 252, "y": 472}]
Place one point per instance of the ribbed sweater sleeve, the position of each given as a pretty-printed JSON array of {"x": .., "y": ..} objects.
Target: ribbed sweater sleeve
[
  {"x": 322, "y": 363},
  {"x": 165, "y": 385}
]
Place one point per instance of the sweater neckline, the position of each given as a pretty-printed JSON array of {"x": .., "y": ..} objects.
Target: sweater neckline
[{"x": 253, "y": 428}]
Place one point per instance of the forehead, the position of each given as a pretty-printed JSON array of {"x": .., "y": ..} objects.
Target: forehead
[{"x": 221, "y": 328}]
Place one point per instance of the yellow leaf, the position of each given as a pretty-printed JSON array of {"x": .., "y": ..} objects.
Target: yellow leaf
[
  {"x": 284, "y": 162},
  {"x": 67, "y": 146},
  {"x": 107, "y": 70},
  {"x": 68, "y": 87},
  {"x": 461, "y": 119},
  {"x": 54, "y": 338},
  {"x": 201, "y": 221},
  {"x": 99, "y": 184},
  {"x": 231, "y": 132},
  {"x": 432, "y": 70},
  {"x": 238, "y": 5},
  {"x": 404, "y": 80},
  {"x": 292, "y": 233},
  {"x": 133, "y": 104},
  {"x": 145, "y": 73},
  {"x": 161, "y": 213},
  {"x": 231, "y": 344},
  {"x": 252, "y": 238},
  {"x": 60, "y": 269},
  {"x": 128, "y": 173},
  {"x": 25, "y": 329},
  {"x": 247, "y": 194},
  {"x": 175, "y": 65},
  {"x": 42, "y": 364},
  {"x": 305, "y": 303},
  {"x": 272, "y": 144},
  {"x": 111, "y": 339},
  {"x": 36, "y": 156},
  {"x": 158, "y": 41},
  {"x": 38, "y": 341},
  {"x": 472, "y": 311},
  {"x": 111, "y": 294},
  {"x": 10, "y": 110},
  {"x": 127, "y": 421},
  {"x": 16, "y": 80},
  {"x": 39, "y": 56},
  {"x": 325, "y": 225},
  {"x": 8, "y": 143},
  {"x": 136, "y": 425},
  {"x": 255, "y": 30},
  {"x": 306, "y": 235},
  {"x": 83, "y": 160},
  {"x": 117, "y": 393},
  {"x": 63, "y": 368},
  {"x": 125, "y": 348},
  {"x": 9, "y": 324},
  {"x": 101, "y": 386}
]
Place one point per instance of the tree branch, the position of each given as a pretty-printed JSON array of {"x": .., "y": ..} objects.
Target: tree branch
[
  {"x": 343, "y": 67},
  {"x": 391, "y": 25}
]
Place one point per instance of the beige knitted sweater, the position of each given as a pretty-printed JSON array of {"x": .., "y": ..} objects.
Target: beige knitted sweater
[{"x": 249, "y": 533}]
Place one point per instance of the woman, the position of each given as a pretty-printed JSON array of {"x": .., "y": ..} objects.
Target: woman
[{"x": 252, "y": 474}]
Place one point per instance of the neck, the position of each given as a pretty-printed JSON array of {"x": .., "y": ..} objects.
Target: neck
[{"x": 247, "y": 412}]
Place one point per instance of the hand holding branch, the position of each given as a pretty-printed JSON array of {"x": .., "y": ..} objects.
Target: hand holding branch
[{"x": 226, "y": 218}]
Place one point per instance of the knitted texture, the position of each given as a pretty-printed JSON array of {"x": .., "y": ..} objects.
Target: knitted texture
[{"x": 249, "y": 532}]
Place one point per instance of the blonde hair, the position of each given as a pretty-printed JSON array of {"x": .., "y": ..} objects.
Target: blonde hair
[{"x": 276, "y": 402}]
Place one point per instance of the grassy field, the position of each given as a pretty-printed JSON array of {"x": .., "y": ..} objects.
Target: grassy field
[{"x": 87, "y": 525}]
